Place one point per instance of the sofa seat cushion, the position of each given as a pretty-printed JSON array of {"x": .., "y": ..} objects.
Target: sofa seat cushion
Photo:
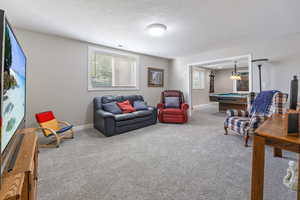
[
  {"x": 125, "y": 116},
  {"x": 133, "y": 121},
  {"x": 173, "y": 111},
  {"x": 142, "y": 113}
]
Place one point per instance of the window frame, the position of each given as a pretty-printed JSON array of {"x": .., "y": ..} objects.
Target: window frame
[
  {"x": 199, "y": 71},
  {"x": 92, "y": 49}
]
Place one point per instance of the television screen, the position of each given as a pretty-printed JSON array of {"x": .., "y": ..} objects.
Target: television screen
[{"x": 14, "y": 86}]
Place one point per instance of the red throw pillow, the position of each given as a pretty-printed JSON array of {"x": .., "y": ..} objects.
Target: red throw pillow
[{"x": 126, "y": 107}]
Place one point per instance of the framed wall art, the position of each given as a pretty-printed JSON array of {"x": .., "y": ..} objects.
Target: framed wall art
[{"x": 155, "y": 77}]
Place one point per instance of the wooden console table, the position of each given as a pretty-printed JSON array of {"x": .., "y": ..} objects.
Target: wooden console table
[
  {"x": 21, "y": 182},
  {"x": 270, "y": 133}
]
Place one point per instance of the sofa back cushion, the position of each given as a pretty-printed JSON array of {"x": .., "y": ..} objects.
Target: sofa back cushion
[
  {"x": 130, "y": 98},
  {"x": 126, "y": 107},
  {"x": 133, "y": 98},
  {"x": 140, "y": 105},
  {"x": 112, "y": 107}
]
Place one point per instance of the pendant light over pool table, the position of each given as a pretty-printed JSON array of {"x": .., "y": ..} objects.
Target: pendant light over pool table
[{"x": 235, "y": 75}]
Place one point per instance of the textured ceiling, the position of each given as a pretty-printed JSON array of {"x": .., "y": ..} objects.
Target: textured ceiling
[{"x": 193, "y": 25}]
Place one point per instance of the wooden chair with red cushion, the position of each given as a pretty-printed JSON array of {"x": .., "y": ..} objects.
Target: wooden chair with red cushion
[
  {"x": 172, "y": 114},
  {"x": 53, "y": 128}
]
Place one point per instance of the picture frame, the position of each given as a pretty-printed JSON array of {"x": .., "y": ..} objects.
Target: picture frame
[{"x": 155, "y": 77}]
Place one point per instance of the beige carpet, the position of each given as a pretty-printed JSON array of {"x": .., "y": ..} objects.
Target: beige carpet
[{"x": 194, "y": 161}]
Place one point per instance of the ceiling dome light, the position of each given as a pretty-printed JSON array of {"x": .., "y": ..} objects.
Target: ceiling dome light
[{"x": 156, "y": 29}]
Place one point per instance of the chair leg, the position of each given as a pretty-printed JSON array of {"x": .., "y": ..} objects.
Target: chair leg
[
  {"x": 68, "y": 135},
  {"x": 246, "y": 137},
  {"x": 72, "y": 133},
  {"x": 57, "y": 141},
  {"x": 226, "y": 130}
]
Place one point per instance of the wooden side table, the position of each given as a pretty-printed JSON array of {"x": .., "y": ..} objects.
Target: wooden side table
[
  {"x": 21, "y": 182},
  {"x": 270, "y": 133}
]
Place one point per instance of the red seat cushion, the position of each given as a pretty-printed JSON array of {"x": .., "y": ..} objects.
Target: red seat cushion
[
  {"x": 44, "y": 116},
  {"x": 126, "y": 107},
  {"x": 173, "y": 111}
]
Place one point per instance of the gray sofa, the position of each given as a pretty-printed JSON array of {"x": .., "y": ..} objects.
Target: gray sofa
[{"x": 111, "y": 124}]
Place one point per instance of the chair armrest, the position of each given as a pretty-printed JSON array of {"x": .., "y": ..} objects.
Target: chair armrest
[
  {"x": 184, "y": 106},
  {"x": 160, "y": 106},
  {"x": 103, "y": 114},
  {"x": 257, "y": 120},
  {"x": 48, "y": 129},
  {"x": 238, "y": 113},
  {"x": 64, "y": 123}
]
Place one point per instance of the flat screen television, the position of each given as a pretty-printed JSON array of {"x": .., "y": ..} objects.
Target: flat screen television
[{"x": 13, "y": 88}]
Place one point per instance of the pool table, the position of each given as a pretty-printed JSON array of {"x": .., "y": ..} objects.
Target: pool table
[{"x": 230, "y": 101}]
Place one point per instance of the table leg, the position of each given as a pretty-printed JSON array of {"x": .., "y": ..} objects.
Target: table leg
[
  {"x": 258, "y": 166},
  {"x": 277, "y": 152},
  {"x": 298, "y": 192}
]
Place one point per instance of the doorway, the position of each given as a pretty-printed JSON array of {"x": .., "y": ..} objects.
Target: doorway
[{"x": 209, "y": 80}]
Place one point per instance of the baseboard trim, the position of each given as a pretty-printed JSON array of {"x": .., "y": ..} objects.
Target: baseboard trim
[
  {"x": 204, "y": 105},
  {"x": 83, "y": 127}
]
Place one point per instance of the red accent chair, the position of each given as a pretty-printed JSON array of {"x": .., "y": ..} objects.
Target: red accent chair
[{"x": 172, "y": 115}]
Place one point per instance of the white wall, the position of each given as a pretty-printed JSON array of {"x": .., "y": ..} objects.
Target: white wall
[
  {"x": 284, "y": 63},
  {"x": 57, "y": 78},
  {"x": 223, "y": 83},
  {"x": 201, "y": 96}
]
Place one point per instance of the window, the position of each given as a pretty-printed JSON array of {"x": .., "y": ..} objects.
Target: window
[
  {"x": 111, "y": 70},
  {"x": 198, "y": 79}
]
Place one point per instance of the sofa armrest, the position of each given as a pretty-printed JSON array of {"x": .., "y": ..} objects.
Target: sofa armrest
[
  {"x": 151, "y": 108},
  {"x": 184, "y": 106},
  {"x": 154, "y": 113},
  {"x": 103, "y": 114},
  {"x": 237, "y": 113},
  {"x": 160, "y": 106},
  {"x": 104, "y": 122}
]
